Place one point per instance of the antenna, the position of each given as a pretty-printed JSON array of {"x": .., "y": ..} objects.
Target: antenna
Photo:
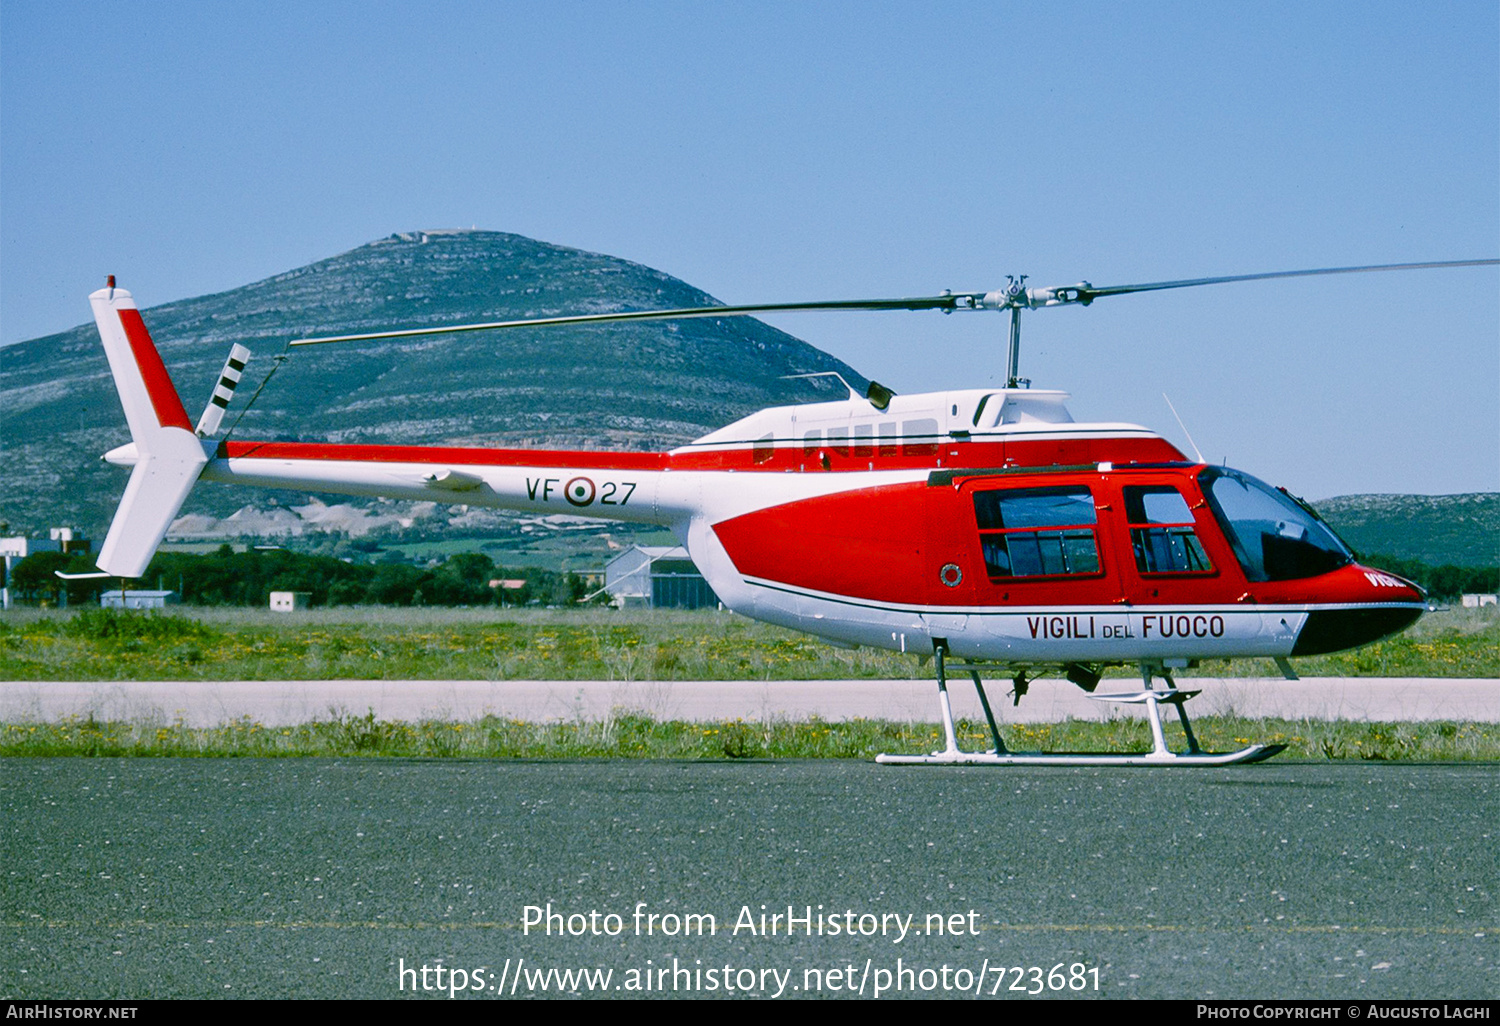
[
  {"x": 853, "y": 393},
  {"x": 1180, "y": 424}
]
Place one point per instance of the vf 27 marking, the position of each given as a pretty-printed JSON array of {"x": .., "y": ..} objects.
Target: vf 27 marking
[{"x": 581, "y": 491}]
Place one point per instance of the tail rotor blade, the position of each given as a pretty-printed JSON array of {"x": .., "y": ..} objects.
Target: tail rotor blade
[{"x": 223, "y": 391}]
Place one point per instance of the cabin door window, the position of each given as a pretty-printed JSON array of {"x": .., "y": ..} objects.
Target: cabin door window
[
  {"x": 1037, "y": 532},
  {"x": 1162, "y": 532}
]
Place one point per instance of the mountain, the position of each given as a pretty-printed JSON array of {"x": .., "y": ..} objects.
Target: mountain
[
  {"x": 636, "y": 386},
  {"x": 1461, "y": 530}
]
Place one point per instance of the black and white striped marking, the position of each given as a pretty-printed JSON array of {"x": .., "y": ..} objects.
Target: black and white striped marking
[{"x": 229, "y": 377}]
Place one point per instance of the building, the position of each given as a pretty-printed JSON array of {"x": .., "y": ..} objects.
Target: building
[
  {"x": 658, "y": 576},
  {"x": 290, "y": 601},
  {"x": 1475, "y": 601},
  {"x": 12, "y": 550},
  {"x": 133, "y": 599},
  {"x": 19, "y": 548},
  {"x": 70, "y": 541}
]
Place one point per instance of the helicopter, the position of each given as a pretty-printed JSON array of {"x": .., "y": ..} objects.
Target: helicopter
[{"x": 983, "y": 529}]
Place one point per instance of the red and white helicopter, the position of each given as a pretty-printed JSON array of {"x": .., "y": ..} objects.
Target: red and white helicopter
[{"x": 982, "y": 527}]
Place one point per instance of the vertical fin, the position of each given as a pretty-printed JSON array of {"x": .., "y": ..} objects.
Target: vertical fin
[{"x": 170, "y": 456}]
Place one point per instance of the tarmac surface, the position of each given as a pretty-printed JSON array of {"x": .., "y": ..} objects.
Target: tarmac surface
[
  {"x": 274, "y": 878},
  {"x": 279, "y": 703}
]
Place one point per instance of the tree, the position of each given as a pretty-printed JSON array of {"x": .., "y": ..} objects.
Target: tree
[{"x": 35, "y": 576}]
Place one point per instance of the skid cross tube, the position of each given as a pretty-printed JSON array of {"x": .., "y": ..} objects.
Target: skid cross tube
[{"x": 1151, "y": 697}]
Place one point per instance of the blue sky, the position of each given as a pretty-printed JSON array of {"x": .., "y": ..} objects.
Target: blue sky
[{"x": 787, "y": 151}]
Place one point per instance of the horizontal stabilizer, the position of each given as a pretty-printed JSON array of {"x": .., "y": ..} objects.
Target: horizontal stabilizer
[{"x": 159, "y": 484}]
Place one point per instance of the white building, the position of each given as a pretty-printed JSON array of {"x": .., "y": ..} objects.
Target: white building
[
  {"x": 659, "y": 576},
  {"x": 133, "y": 599},
  {"x": 13, "y": 550},
  {"x": 290, "y": 601}
]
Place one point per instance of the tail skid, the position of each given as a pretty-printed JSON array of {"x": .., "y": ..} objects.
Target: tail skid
[{"x": 168, "y": 456}]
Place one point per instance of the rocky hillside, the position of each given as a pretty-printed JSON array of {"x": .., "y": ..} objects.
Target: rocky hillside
[
  {"x": 636, "y": 386},
  {"x": 1461, "y": 530}
]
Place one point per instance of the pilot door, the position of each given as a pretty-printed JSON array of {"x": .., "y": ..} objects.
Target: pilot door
[{"x": 1169, "y": 544}]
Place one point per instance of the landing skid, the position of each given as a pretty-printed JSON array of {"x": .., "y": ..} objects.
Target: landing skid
[
  {"x": 1151, "y": 698},
  {"x": 1255, "y": 753}
]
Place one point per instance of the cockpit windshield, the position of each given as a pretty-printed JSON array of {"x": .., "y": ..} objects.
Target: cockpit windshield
[{"x": 1273, "y": 536}]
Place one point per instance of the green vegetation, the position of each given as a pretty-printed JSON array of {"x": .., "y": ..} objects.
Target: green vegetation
[
  {"x": 1446, "y": 581},
  {"x": 422, "y": 644},
  {"x": 570, "y": 644},
  {"x": 358, "y": 642},
  {"x": 631, "y": 736},
  {"x": 448, "y": 576},
  {"x": 1448, "y": 643},
  {"x": 229, "y": 578},
  {"x": 1462, "y": 530}
]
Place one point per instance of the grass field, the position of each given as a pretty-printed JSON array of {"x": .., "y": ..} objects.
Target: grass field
[
  {"x": 374, "y": 643},
  {"x": 595, "y": 644}
]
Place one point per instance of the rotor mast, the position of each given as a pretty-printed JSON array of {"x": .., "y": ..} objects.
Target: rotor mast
[
  {"x": 1013, "y": 365},
  {"x": 1016, "y": 289}
]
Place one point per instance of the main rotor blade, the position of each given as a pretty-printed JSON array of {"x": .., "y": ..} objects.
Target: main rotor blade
[
  {"x": 1011, "y": 298},
  {"x": 1088, "y": 293},
  {"x": 947, "y": 301}
]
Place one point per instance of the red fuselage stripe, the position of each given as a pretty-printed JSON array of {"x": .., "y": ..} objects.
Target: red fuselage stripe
[{"x": 164, "y": 398}]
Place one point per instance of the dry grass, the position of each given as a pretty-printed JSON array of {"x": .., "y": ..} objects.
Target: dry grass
[
  {"x": 377, "y": 643},
  {"x": 633, "y": 736}
]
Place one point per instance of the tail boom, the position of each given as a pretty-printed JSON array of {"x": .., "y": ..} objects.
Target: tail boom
[{"x": 589, "y": 484}]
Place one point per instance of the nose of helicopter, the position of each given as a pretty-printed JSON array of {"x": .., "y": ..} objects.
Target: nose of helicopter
[{"x": 1400, "y": 604}]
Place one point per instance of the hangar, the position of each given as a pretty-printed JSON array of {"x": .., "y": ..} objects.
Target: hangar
[{"x": 657, "y": 576}]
